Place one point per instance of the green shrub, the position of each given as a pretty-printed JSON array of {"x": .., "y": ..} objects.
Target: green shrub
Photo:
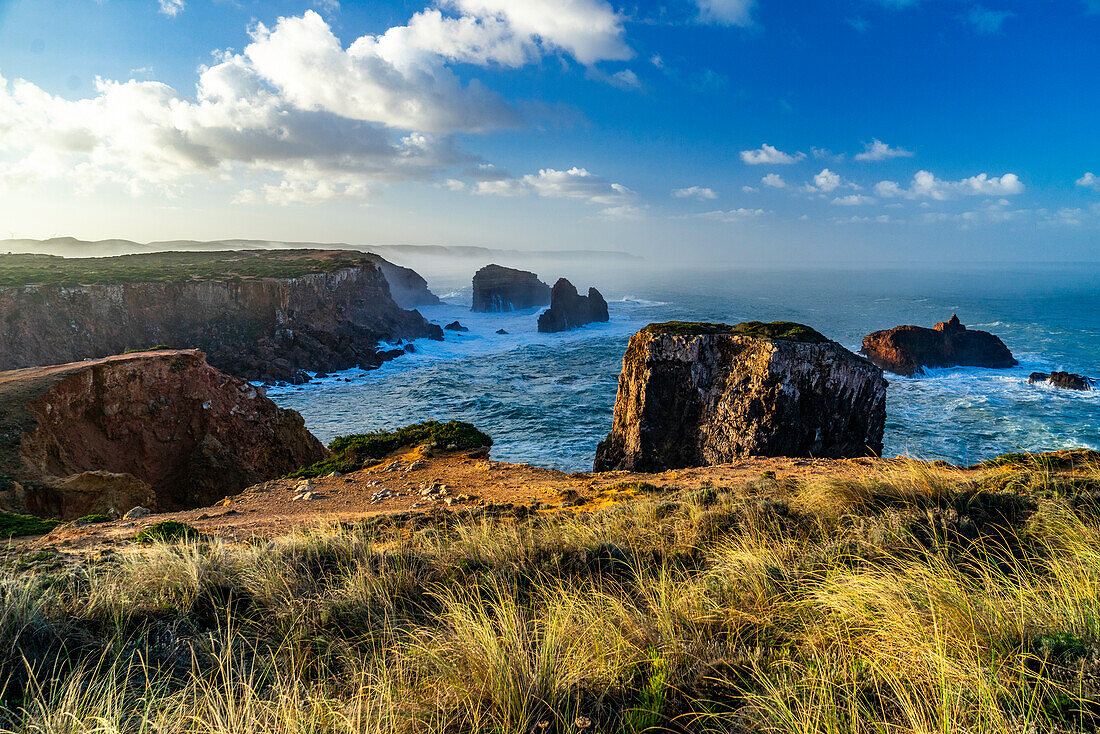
[
  {"x": 349, "y": 452},
  {"x": 167, "y": 531},
  {"x": 92, "y": 519},
  {"x": 157, "y": 348},
  {"x": 785, "y": 330},
  {"x": 18, "y": 526}
]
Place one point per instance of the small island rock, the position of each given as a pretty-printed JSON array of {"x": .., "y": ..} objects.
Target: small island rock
[
  {"x": 570, "y": 310},
  {"x": 907, "y": 350},
  {"x": 455, "y": 326},
  {"x": 697, "y": 394},
  {"x": 499, "y": 289},
  {"x": 1064, "y": 380}
]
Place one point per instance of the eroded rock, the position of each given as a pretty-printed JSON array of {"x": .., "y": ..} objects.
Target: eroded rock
[
  {"x": 570, "y": 310},
  {"x": 497, "y": 289},
  {"x": 1064, "y": 380},
  {"x": 698, "y": 394},
  {"x": 907, "y": 350}
]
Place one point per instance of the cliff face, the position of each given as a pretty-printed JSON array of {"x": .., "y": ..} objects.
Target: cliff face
[
  {"x": 570, "y": 310},
  {"x": 260, "y": 328},
  {"x": 698, "y": 394},
  {"x": 162, "y": 427},
  {"x": 497, "y": 288},
  {"x": 907, "y": 350},
  {"x": 407, "y": 287}
]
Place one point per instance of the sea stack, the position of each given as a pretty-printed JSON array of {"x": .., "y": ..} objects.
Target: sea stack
[
  {"x": 907, "y": 350},
  {"x": 160, "y": 429},
  {"x": 693, "y": 394},
  {"x": 1064, "y": 380},
  {"x": 570, "y": 310},
  {"x": 498, "y": 289}
]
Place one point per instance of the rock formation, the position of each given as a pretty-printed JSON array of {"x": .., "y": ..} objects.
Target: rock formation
[
  {"x": 695, "y": 394},
  {"x": 455, "y": 326},
  {"x": 907, "y": 350},
  {"x": 407, "y": 287},
  {"x": 497, "y": 288},
  {"x": 569, "y": 310},
  {"x": 161, "y": 429},
  {"x": 1064, "y": 380},
  {"x": 262, "y": 315}
]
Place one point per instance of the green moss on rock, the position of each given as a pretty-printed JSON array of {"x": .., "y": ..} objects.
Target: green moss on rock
[
  {"x": 349, "y": 452},
  {"x": 782, "y": 330}
]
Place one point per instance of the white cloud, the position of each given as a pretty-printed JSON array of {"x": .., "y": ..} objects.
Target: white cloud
[
  {"x": 750, "y": 189},
  {"x": 172, "y": 8},
  {"x": 574, "y": 183},
  {"x": 726, "y": 12},
  {"x": 767, "y": 154},
  {"x": 327, "y": 6},
  {"x": 625, "y": 79},
  {"x": 304, "y": 117},
  {"x": 824, "y": 182},
  {"x": 702, "y": 193},
  {"x": 774, "y": 180},
  {"x": 623, "y": 212},
  {"x": 1089, "y": 181},
  {"x": 853, "y": 200},
  {"x": 827, "y": 155},
  {"x": 986, "y": 21},
  {"x": 926, "y": 186},
  {"x": 732, "y": 215},
  {"x": 877, "y": 150}
]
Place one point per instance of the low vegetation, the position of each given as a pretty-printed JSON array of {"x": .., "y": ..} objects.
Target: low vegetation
[
  {"x": 171, "y": 267},
  {"x": 166, "y": 532},
  {"x": 785, "y": 330},
  {"x": 349, "y": 453},
  {"x": 916, "y": 600},
  {"x": 18, "y": 526}
]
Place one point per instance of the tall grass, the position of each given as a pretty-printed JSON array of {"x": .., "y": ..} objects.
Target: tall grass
[{"x": 914, "y": 601}]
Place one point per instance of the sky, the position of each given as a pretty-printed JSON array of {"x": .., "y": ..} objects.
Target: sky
[{"x": 756, "y": 131}]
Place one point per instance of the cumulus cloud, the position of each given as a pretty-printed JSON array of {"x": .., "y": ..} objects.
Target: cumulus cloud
[
  {"x": 318, "y": 120},
  {"x": 988, "y": 22},
  {"x": 774, "y": 180},
  {"x": 1089, "y": 181},
  {"x": 172, "y": 8},
  {"x": 726, "y": 12},
  {"x": 575, "y": 183},
  {"x": 826, "y": 182},
  {"x": 732, "y": 215},
  {"x": 926, "y": 186},
  {"x": 702, "y": 193},
  {"x": 767, "y": 154},
  {"x": 853, "y": 200},
  {"x": 877, "y": 150}
]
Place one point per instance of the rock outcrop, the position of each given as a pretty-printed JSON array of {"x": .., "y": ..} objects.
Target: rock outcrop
[
  {"x": 497, "y": 288},
  {"x": 407, "y": 287},
  {"x": 907, "y": 350},
  {"x": 570, "y": 310},
  {"x": 696, "y": 394},
  {"x": 162, "y": 429},
  {"x": 1064, "y": 380},
  {"x": 262, "y": 315}
]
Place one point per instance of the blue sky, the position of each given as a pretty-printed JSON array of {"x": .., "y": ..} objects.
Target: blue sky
[{"x": 731, "y": 130}]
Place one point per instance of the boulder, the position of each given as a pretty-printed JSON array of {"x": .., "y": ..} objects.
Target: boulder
[
  {"x": 907, "y": 350},
  {"x": 1064, "y": 380},
  {"x": 159, "y": 429},
  {"x": 497, "y": 288},
  {"x": 455, "y": 326},
  {"x": 693, "y": 394},
  {"x": 570, "y": 310}
]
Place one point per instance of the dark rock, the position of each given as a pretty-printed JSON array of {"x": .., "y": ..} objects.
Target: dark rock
[
  {"x": 501, "y": 331},
  {"x": 497, "y": 289},
  {"x": 162, "y": 429},
  {"x": 455, "y": 326},
  {"x": 907, "y": 350},
  {"x": 698, "y": 394},
  {"x": 1064, "y": 380},
  {"x": 407, "y": 288},
  {"x": 392, "y": 354},
  {"x": 570, "y": 310},
  {"x": 410, "y": 348}
]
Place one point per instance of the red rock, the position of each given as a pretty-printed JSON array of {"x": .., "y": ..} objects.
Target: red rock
[{"x": 907, "y": 350}]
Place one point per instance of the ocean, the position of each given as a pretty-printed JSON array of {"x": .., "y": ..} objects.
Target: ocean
[{"x": 547, "y": 399}]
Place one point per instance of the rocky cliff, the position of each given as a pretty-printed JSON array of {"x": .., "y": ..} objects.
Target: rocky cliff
[
  {"x": 570, "y": 310},
  {"x": 698, "y": 394},
  {"x": 407, "y": 287},
  {"x": 907, "y": 350},
  {"x": 259, "y": 315},
  {"x": 497, "y": 288},
  {"x": 160, "y": 427}
]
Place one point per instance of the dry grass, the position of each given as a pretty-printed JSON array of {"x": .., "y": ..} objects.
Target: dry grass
[{"x": 918, "y": 601}]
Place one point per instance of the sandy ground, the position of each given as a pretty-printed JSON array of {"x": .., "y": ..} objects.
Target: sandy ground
[{"x": 416, "y": 482}]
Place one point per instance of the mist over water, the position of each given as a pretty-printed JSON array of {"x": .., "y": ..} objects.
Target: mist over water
[{"x": 547, "y": 399}]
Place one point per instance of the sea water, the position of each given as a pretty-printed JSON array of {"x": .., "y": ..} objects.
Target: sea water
[{"x": 547, "y": 399}]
